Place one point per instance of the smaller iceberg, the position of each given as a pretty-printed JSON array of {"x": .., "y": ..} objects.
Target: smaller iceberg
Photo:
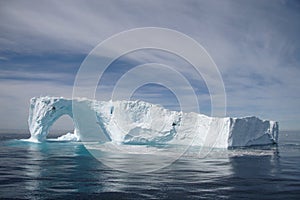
[{"x": 139, "y": 122}]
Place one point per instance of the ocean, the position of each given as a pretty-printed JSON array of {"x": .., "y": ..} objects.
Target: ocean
[{"x": 65, "y": 170}]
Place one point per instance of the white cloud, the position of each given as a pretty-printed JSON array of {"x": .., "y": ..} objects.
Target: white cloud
[
  {"x": 255, "y": 45},
  {"x": 15, "y": 96}
]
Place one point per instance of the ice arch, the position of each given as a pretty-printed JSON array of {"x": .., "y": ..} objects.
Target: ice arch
[{"x": 44, "y": 111}]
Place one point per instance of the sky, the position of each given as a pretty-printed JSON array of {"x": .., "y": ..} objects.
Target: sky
[{"x": 255, "y": 45}]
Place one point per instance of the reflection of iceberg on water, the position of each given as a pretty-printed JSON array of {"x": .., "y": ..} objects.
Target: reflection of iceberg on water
[{"x": 138, "y": 122}]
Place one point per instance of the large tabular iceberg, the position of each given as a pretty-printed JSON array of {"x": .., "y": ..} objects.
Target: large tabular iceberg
[{"x": 138, "y": 122}]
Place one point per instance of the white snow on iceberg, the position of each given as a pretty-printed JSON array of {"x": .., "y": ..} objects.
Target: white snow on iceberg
[{"x": 138, "y": 122}]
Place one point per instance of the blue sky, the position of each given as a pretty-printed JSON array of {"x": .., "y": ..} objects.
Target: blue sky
[{"x": 255, "y": 45}]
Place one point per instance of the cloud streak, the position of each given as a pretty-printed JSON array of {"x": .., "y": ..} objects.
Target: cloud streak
[{"x": 255, "y": 45}]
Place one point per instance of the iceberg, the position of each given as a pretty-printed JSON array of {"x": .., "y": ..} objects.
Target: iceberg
[{"x": 139, "y": 122}]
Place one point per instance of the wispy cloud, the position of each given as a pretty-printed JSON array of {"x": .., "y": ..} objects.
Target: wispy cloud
[{"x": 254, "y": 43}]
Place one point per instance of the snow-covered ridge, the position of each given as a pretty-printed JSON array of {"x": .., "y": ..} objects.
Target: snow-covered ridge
[{"x": 138, "y": 122}]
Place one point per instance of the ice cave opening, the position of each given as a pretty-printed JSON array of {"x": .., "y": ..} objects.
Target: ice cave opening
[{"x": 63, "y": 125}]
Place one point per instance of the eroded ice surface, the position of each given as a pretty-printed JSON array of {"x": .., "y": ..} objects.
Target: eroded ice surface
[{"x": 138, "y": 122}]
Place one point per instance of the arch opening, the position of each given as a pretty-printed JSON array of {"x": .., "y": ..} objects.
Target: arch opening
[{"x": 61, "y": 126}]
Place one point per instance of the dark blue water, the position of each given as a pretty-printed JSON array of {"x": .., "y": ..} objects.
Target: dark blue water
[{"x": 65, "y": 170}]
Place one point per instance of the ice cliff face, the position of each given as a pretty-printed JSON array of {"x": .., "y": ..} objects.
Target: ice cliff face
[
  {"x": 138, "y": 122},
  {"x": 43, "y": 112}
]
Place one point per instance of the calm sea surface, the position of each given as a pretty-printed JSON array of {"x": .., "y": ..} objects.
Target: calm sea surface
[{"x": 64, "y": 170}]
